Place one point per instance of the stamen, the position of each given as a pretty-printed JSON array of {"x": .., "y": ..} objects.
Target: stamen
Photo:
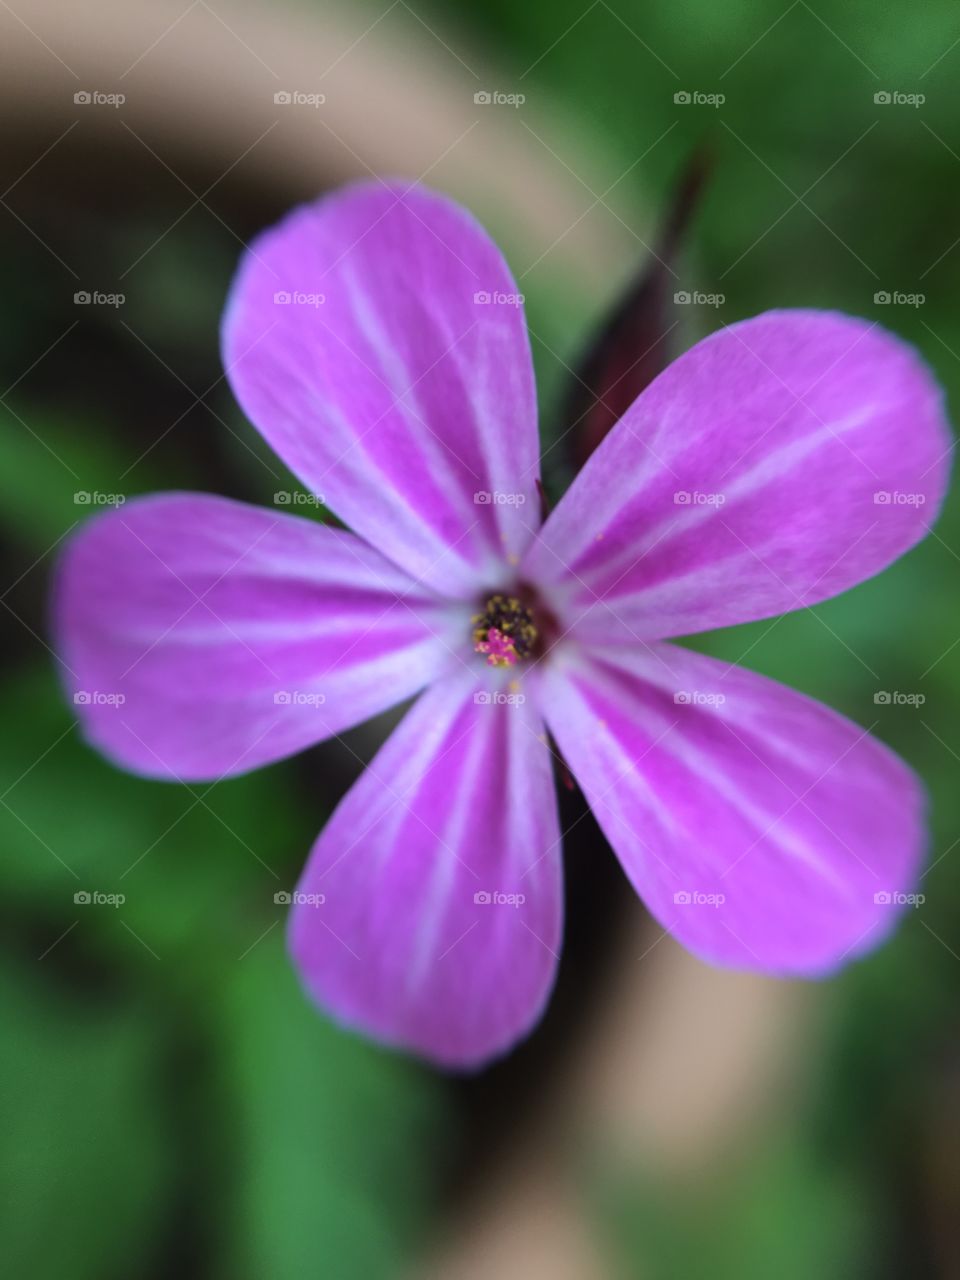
[{"x": 499, "y": 649}]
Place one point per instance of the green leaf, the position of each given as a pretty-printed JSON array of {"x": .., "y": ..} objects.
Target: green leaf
[
  {"x": 85, "y": 1176},
  {"x": 338, "y": 1141}
]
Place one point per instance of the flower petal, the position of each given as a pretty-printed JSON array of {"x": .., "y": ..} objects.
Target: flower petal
[
  {"x": 429, "y": 913},
  {"x": 760, "y": 828},
  {"x": 399, "y": 397},
  {"x": 780, "y": 461},
  {"x": 203, "y": 637}
]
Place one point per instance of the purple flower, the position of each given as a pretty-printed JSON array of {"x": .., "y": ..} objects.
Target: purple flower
[{"x": 377, "y": 341}]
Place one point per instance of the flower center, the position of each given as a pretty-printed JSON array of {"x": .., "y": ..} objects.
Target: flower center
[{"x": 504, "y": 631}]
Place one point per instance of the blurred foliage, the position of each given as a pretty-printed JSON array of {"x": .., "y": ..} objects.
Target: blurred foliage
[
  {"x": 781, "y": 1214},
  {"x": 332, "y": 1136},
  {"x": 161, "y": 1062},
  {"x": 82, "y": 1130}
]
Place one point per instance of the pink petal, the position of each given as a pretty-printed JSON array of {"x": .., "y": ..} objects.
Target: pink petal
[
  {"x": 438, "y": 916},
  {"x": 780, "y": 461},
  {"x": 764, "y": 831},
  {"x": 399, "y": 397},
  {"x": 202, "y": 637}
]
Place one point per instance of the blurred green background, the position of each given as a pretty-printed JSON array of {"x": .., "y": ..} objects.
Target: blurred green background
[{"x": 171, "y": 1104}]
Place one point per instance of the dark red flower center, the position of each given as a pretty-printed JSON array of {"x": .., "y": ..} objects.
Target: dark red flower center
[
  {"x": 512, "y": 626},
  {"x": 504, "y": 631}
]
